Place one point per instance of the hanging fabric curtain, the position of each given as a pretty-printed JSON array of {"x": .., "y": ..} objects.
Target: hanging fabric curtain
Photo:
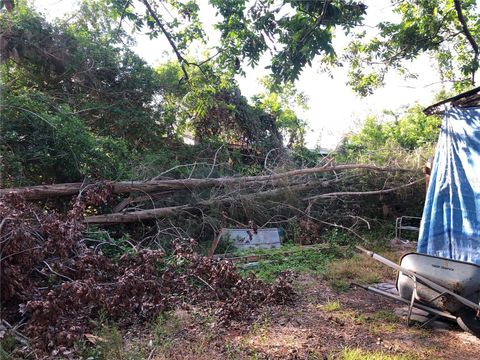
[{"x": 450, "y": 225}]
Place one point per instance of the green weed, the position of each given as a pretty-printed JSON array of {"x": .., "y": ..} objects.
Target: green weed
[
  {"x": 111, "y": 247},
  {"x": 381, "y": 328},
  {"x": 358, "y": 269},
  {"x": 231, "y": 350},
  {"x": 7, "y": 346},
  {"x": 310, "y": 260},
  {"x": 108, "y": 345},
  {"x": 258, "y": 330},
  {"x": 331, "y": 305},
  {"x": 385, "y": 315},
  {"x": 164, "y": 328},
  {"x": 351, "y": 316},
  {"x": 358, "y": 354}
]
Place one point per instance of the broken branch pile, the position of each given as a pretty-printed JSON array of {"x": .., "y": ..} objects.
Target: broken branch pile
[
  {"x": 56, "y": 275},
  {"x": 55, "y": 285}
]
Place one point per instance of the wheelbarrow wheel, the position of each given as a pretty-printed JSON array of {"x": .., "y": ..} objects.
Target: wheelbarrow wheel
[{"x": 468, "y": 321}]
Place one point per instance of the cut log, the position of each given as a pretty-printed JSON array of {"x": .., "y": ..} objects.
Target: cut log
[{"x": 57, "y": 190}]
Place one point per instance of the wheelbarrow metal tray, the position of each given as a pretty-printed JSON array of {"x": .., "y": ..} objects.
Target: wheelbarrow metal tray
[{"x": 459, "y": 277}]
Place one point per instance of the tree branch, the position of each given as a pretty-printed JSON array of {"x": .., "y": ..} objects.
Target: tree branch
[
  {"x": 468, "y": 35},
  {"x": 361, "y": 193},
  {"x": 180, "y": 58},
  {"x": 317, "y": 23},
  {"x": 122, "y": 16}
]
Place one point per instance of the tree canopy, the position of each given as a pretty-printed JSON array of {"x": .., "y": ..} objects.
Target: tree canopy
[
  {"x": 447, "y": 30},
  {"x": 295, "y": 33},
  {"x": 77, "y": 101}
]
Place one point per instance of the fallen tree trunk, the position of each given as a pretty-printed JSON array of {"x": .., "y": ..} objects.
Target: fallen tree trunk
[
  {"x": 135, "y": 216},
  {"x": 39, "y": 192},
  {"x": 361, "y": 193},
  {"x": 158, "y": 213}
]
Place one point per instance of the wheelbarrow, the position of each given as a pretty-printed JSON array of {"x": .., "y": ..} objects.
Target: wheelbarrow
[{"x": 444, "y": 288}]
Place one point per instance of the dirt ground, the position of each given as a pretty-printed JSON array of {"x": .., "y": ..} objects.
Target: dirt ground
[
  {"x": 358, "y": 320},
  {"x": 322, "y": 324}
]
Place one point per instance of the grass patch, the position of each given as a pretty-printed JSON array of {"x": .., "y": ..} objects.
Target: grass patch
[
  {"x": 109, "y": 344},
  {"x": 380, "y": 328},
  {"x": 331, "y": 305},
  {"x": 355, "y": 317},
  {"x": 232, "y": 351},
  {"x": 169, "y": 330},
  {"x": 358, "y": 354},
  {"x": 357, "y": 268},
  {"x": 164, "y": 328},
  {"x": 311, "y": 260},
  {"x": 385, "y": 315},
  {"x": 258, "y": 331},
  {"x": 7, "y": 346},
  {"x": 378, "y": 323},
  {"x": 161, "y": 340}
]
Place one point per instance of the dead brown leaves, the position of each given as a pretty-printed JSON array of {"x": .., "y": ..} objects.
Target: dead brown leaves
[{"x": 59, "y": 286}]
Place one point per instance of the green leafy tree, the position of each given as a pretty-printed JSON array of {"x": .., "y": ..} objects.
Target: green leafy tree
[
  {"x": 74, "y": 103},
  {"x": 383, "y": 140},
  {"x": 447, "y": 30},
  {"x": 102, "y": 82},
  {"x": 296, "y": 32},
  {"x": 211, "y": 107},
  {"x": 293, "y": 31},
  {"x": 282, "y": 102},
  {"x": 83, "y": 104},
  {"x": 41, "y": 145}
]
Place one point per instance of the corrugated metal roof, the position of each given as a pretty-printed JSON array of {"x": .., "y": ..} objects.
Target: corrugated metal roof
[{"x": 470, "y": 98}]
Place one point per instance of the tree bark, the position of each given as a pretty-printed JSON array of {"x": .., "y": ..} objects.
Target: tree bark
[
  {"x": 151, "y": 214},
  {"x": 135, "y": 216},
  {"x": 361, "y": 193},
  {"x": 39, "y": 192}
]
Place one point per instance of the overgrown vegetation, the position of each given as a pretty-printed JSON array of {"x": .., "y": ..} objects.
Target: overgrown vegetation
[
  {"x": 79, "y": 105},
  {"x": 84, "y": 105},
  {"x": 356, "y": 269},
  {"x": 405, "y": 139},
  {"x": 312, "y": 260},
  {"x": 357, "y": 354}
]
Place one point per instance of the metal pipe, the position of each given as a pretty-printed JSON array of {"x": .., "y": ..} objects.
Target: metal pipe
[{"x": 417, "y": 305}]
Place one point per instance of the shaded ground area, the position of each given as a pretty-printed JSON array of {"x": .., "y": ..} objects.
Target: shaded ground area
[{"x": 322, "y": 324}]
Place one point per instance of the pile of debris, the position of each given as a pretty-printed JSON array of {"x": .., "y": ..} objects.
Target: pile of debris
[
  {"x": 54, "y": 285},
  {"x": 56, "y": 280}
]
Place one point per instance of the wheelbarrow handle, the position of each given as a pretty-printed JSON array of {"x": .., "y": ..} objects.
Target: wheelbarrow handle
[{"x": 422, "y": 279}]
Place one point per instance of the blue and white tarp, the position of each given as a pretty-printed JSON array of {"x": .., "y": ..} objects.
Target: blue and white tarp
[{"x": 451, "y": 217}]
